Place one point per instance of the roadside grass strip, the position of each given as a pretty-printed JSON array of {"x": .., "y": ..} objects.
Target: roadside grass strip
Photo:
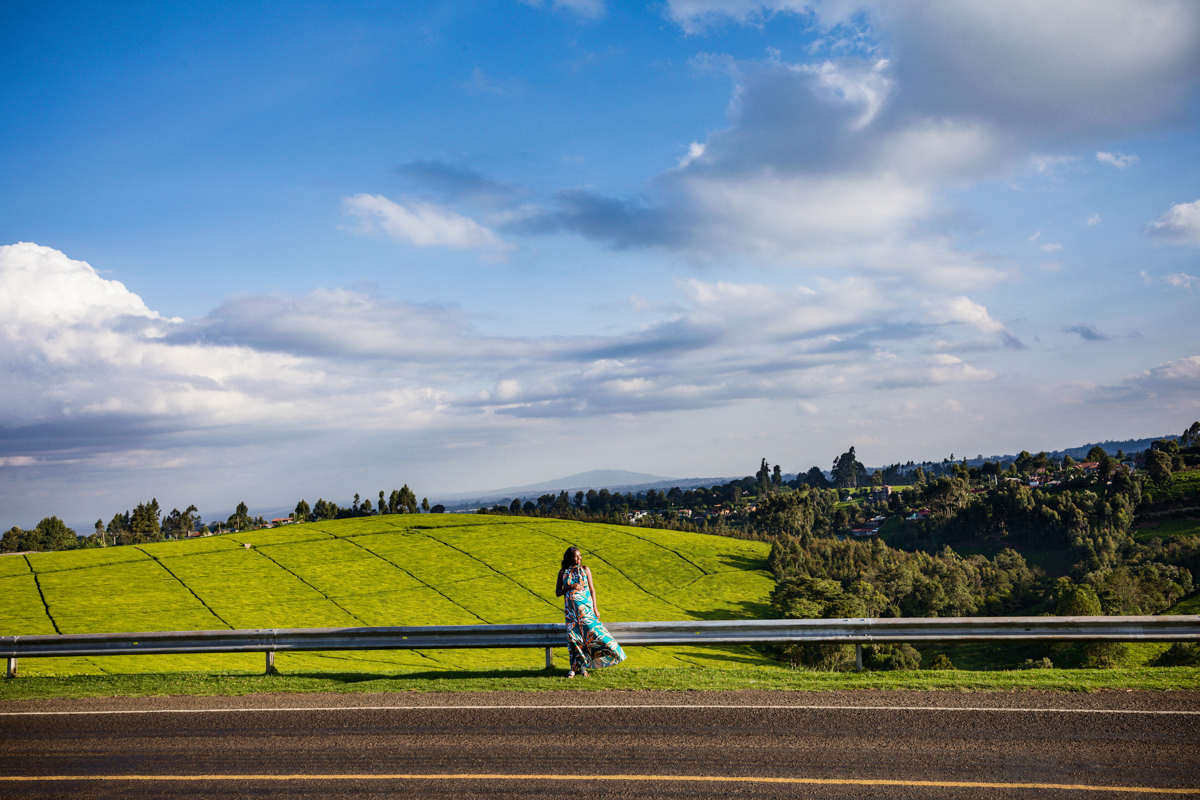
[{"x": 304, "y": 673}]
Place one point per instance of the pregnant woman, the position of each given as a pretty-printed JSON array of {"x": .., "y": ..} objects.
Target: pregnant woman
[{"x": 588, "y": 644}]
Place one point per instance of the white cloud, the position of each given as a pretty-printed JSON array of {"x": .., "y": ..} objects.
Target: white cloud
[
  {"x": 1180, "y": 224},
  {"x": 1181, "y": 280},
  {"x": 1094, "y": 219},
  {"x": 1050, "y": 247},
  {"x": 336, "y": 360},
  {"x": 17, "y": 461},
  {"x": 840, "y": 163},
  {"x": 421, "y": 223},
  {"x": 1173, "y": 381},
  {"x": 1118, "y": 160}
]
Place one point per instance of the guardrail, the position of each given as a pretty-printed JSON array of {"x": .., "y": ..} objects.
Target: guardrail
[{"x": 697, "y": 632}]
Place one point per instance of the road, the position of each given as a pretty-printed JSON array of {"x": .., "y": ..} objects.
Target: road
[{"x": 608, "y": 744}]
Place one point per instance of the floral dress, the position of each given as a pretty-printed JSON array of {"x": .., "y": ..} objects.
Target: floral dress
[{"x": 588, "y": 643}]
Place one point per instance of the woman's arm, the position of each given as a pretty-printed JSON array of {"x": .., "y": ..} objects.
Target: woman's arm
[
  {"x": 591, "y": 585},
  {"x": 560, "y": 590}
]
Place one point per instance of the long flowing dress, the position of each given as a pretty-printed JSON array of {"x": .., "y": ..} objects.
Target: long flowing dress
[{"x": 589, "y": 645}]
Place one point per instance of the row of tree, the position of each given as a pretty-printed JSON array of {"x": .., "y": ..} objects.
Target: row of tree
[{"x": 146, "y": 523}]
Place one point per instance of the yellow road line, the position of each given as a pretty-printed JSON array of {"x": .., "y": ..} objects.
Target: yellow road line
[{"x": 615, "y": 778}]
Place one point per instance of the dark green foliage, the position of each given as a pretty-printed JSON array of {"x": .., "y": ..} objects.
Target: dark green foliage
[
  {"x": 788, "y": 514},
  {"x": 1075, "y": 601},
  {"x": 1180, "y": 654},
  {"x": 11, "y": 543},
  {"x": 890, "y": 657},
  {"x": 892, "y": 582},
  {"x": 941, "y": 661}
]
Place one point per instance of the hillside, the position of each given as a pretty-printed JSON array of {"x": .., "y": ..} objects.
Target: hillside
[{"x": 376, "y": 571}]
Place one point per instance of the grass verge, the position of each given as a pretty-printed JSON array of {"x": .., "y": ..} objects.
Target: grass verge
[{"x": 638, "y": 678}]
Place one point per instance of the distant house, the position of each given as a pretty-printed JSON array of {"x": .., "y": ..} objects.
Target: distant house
[{"x": 881, "y": 494}]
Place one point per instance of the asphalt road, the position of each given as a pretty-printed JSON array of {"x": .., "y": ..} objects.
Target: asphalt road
[{"x": 607, "y": 744}]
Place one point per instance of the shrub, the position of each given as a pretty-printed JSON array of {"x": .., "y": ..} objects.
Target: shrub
[
  {"x": 1180, "y": 654},
  {"x": 890, "y": 657},
  {"x": 942, "y": 661}
]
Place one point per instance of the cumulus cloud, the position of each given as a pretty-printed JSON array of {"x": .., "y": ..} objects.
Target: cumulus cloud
[
  {"x": 1118, "y": 160},
  {"x": 420, "y": 223},
  {"x": 1181, "y": 280},
  {"x": 1181, "y": 224},
  {"x": 839, "y": 162},
  {"x": 90, "y": 364},
  {"x": 1177, "y": 382}
]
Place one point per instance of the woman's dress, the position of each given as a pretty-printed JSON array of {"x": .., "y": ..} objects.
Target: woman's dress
[{"x": 589, "y": 645}]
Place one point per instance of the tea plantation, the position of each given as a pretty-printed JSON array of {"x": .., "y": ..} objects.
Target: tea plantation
[{"x": 378, "y": 571}]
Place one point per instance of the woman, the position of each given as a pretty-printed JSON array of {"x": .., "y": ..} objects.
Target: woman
[{"x": 588, "y": 644}]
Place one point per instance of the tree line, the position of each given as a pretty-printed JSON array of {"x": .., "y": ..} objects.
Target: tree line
[{"x": 146, "y": 523}]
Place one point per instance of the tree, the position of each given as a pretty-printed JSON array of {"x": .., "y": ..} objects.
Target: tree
[
  {"x": 144, "y": 524},
  {"x": 180, "y": 523},
  {"x": 325, "y": 510},
  {"x": 877, "y": 478},
  {"x": 425, "y": 504},
  {"x": 1096, "y": 453},
  {"x": 1158, "y": 465},
  {"x": 846, "y": 470},
  {"x": 99, "y": 533},
  {"x": 515, "y": 506},
  {"x": 764, "y": 477},
  {"x": 790, "y": 514},
  {"x": 1024, "y": 462},
  {"x": 1075, "y": 600},
  {"x": 777, "y": 477},
  {"x": 816, "y": 478},
  {"x": 1191, "y": 437},
  {"x": 240, "y": 518},
  {"x": 1068, "y": 463},
  {"x": 51, "y": 534},
  {"x": 407, "y": 501},
  {"x": 303, "y": 512},
  {"x": 11, "y": 543},
  {"x": 438, "y": 509}
]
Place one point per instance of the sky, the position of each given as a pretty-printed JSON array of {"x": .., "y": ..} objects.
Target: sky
[{"x": 273, "y": 251}]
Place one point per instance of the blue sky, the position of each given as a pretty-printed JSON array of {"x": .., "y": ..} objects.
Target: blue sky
[{"x": 272, "y": 251}]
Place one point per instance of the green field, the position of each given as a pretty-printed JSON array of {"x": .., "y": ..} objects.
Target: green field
[
  {"x": 1171, "y": 527},
  {"x": 379, "y": 571}
]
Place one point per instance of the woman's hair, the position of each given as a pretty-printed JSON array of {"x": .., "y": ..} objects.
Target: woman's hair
[{"x": 569, "y": 557}]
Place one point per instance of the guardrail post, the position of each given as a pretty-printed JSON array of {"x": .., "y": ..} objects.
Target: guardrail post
[
  {"x": 858, "y": 658},
  {"x": 270, "y": 662},
  {"x": 549, "y": 658},
  {"x": 12, "y": 667}
]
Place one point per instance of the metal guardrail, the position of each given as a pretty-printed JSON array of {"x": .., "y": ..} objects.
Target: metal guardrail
[{"x": 548, "y": 636}]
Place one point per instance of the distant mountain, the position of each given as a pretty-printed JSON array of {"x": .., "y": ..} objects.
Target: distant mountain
[{"x": 582, "y": 481}]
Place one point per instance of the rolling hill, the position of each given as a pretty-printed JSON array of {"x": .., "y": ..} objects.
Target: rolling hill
[{"x": 378, "y": 571}]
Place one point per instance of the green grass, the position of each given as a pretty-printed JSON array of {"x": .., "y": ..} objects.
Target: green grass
[
  {"x": 1172, "y": 527},
  {"x": 530, "y": 679},
  {"x": 377, "y": 571}
]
